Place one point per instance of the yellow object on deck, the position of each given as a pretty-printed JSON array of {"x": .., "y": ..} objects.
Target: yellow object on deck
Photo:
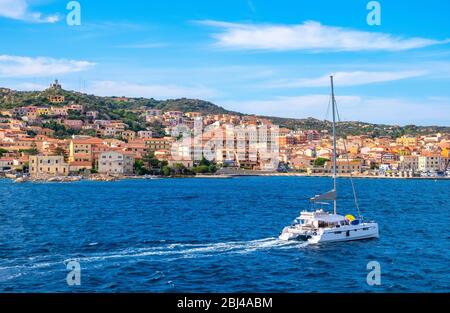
[{"x": 350, "y": 217}]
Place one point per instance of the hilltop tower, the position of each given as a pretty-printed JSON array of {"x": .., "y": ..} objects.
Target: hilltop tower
[
  {"x": 55, "y": 85},
  {"x": 54, "y": 97}
]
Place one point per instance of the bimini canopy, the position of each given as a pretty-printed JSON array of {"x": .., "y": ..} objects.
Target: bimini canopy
[
  {"x": 329, "y": 196},
  {"x": 331, "y": 218}
]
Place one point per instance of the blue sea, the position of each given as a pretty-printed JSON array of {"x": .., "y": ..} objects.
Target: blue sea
[{"x": 218, "y": 235}]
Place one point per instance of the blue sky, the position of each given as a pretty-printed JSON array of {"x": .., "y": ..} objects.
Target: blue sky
[{"x": 253, "y": 56}]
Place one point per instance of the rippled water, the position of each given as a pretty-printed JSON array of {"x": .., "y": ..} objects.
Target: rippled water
[{"x": 204, "y": 235}]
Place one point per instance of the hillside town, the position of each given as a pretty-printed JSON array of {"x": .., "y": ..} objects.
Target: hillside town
[{"x": 30, "y": 146}]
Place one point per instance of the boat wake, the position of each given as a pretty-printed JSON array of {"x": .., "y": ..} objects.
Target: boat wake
[
  {"x": 189, "y": 250},
  {"x": 158, "y": 252}
]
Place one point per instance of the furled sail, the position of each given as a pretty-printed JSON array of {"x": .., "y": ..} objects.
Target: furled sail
[{"x": 328, "y": 196}]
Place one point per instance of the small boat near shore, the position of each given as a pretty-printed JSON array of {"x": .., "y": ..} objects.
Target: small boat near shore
[{"x": 152, "y": 177}]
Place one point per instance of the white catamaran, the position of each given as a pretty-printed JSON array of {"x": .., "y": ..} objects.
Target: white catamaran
[{"x": 319, "y": 226}]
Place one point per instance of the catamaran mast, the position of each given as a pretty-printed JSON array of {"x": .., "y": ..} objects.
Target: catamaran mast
[{"x": 333, "y": 103}]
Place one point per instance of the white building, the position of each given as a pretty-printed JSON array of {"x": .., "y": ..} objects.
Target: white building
[
  {"x": 145, "y": 134},
  {"x": 431, "y": 163},
  {"x": 114, "y": 162}
]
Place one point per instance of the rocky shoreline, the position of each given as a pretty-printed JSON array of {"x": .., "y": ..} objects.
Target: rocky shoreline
[
  {"x": 65, "y": 179},
  {"x": 112, "y": 178}
]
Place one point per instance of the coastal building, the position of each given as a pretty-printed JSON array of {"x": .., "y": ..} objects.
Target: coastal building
[
  {"x": 188, "y": 163},
  {"x": 153, "y": 112},
  {"x": 129, "y": 135},
  {"x": 59, "y": 111},
  {"x": 76, "y": 107},
  {"x": 73, "y": 124},
  {"x": 46, "y": 132},
  {"x": 43, "y": 111},
  {"x": 6, "y": 164},
  {"x": 345, "y": 167},
  {"x": 43, "y": 165},
  {"x": 145, "y": 134},
  {"x": 92, "y": 114},
  {"x": 137, "y": 148},
  {"x": 407, "y": 141},
  {"x": 81, "y": 152},
  {"x": 115, "y": 162},
  {"x": 154, "y": 144},
  {"x": 285, "y": 140},
  {"x": 409, "y": 163},
  {"x": 56, "y": 99},
  {"x": 302, "y": 162},
  {"x": 193, "y": 114},
  {"x": 429, "y": 163}
]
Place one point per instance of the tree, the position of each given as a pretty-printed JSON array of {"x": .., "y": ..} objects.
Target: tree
[
  {"x": 320, "y": 162},
  {"x": 153, "y": 164},
  {"x": 32, "y": 151},
  {"x": 60, "y": 130},
  {"x": 61, "y": 151},
  {"x": 201, "y": 169},
  {"x": 180, "y": 169},
  {"x": 204, "y": 162},
  {"x": 89, "y": 132},
  {"x": 2, "y": 152},
  {"x": 166, "y": 171},
  {"x": 151, "y": 161},
  {"x": 31, "y": 133},
  {"x": 139, "y": 168},
  {"x": 204, "y": 166},
  {"x": 157, "y": 129}
]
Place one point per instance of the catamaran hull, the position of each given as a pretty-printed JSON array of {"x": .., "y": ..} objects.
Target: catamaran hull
[{"x": 364, "y": 231}]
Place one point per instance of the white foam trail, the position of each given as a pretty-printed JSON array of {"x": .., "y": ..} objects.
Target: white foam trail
[
  {"x": 172, "y": 251},
  {"x": 179, "y": 250}
]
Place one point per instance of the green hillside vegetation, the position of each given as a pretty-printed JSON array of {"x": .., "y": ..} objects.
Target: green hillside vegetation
[{"x": 118, "y": 108}]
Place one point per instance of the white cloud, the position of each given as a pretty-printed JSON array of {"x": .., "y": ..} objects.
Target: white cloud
[
  {"x": 19, "y": 66},
  {"x": 118, "y": 88},
  {"x": 429, "y": 111},
  {"x": 356, "y": 78},
  {"x": 19, "y": 10},
  {"x": 312, "y": 36}
]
